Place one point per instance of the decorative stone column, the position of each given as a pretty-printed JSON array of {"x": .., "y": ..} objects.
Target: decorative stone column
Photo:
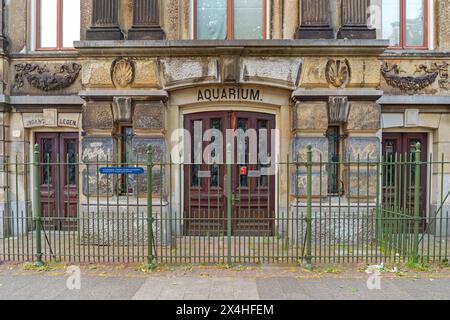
[
  {"x": 354, "y": 20},
  {"x": 316, "y": 20},
  {"x": 105, "y": 21},
  {"x": 146, "y": 22}
]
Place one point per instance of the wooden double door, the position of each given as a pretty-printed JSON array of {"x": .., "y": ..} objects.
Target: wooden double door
[
  {"x": 399, "y": 171},
  {"x": 252, "y": 181},
  {"x": 59, "y": 179}
]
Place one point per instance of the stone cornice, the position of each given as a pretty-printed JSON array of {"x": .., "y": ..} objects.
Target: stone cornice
[
  {"x": 321, "y": 94},
  {"x": 414, "y": 100},
  {"x": 239, "y": 47},
  {"x": 152, "y": 95}
]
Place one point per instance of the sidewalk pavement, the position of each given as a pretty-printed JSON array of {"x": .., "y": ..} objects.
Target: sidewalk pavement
[{"x": 272, "y": 283}]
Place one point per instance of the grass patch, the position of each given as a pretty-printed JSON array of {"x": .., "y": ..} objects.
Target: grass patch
[
  {"x": 417, "y": 266},
  {"x": 331, "y": 270},
  {"x": 33, "y": 267}
]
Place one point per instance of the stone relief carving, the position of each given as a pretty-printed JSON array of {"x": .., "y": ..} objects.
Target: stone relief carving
[
  {"x": 413, "y": 84},
  {"x": 42, "y": 78},
  {"x": 122, "y": 72},
  {"x": 440, "y": 68},
  {"x": 337, "y": 72},
  {"x": 362, "y": 149}
]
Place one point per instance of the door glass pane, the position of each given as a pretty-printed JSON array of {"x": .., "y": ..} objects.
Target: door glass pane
[
  {"x": 263, "y": 150},
  {"x": 47, "y": 151},
  {"x": 215, "y": 124},
  {"x": 196, "y": 151},
  {"x": 211, "y": 19},
  {"x": 242, "y": 149},
  {"x": 248, "y": 19},
  {"x": 48, "y": 16},
  {"x": 71, "y": 149},
  {"x": 390, "y": 150},
  {"x": 412, "y": 157},
  {"x": 391, "y": 21},
  {"x": 415, "y": 23},
  {"x": 71, "y": 22}
]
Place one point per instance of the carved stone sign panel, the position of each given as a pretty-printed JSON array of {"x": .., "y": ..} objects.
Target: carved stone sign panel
[
  {"x": 51, "y": 118},
  {"x": 33, "y": 120},
  {"x": 229, "y": 93},
  {"x": 71, "y": 120}
]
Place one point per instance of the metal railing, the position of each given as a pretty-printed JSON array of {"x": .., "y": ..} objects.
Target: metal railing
[{"x": 177, "y": 213}]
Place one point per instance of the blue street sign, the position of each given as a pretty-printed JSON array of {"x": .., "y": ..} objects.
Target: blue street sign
[{"x": 121, "y": 170}]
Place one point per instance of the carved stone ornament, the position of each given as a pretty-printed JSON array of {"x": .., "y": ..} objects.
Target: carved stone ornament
[
  {"x": 122, "y": 72},
  {"x": 440, "y": 68},
  {"x": 413, "y": 84},
  {"x": 337, "y": 72},
  {"x": 338, "y": 108},
  {"x": 43, "y": 79}
]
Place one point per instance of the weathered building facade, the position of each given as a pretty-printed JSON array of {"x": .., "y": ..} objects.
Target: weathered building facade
[{"x": 141, "y": 69}]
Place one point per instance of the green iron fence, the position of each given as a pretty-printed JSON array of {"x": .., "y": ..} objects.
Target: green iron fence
[{"x": 168, "y": 213}]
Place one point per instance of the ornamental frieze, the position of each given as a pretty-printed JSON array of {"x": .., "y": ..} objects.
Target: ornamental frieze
[
  {"x": 44, "y": 79},
  {"x": 423, "y": 77}
]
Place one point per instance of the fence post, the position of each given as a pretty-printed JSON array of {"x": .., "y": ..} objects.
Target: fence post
[
  {"x": 309, "y": 208},
  {"x": 37, "y": 203},
  {"x": 229, "y": 204},
  {"x": 150, "y": 257},
  {"x": 416, "y": 202}
]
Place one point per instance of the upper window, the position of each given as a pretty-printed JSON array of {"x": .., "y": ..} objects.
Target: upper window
[
  {"x": 57, "y": 24},
  {"x": 230, "y": 19},
  {"x": 405, "y": 23}
]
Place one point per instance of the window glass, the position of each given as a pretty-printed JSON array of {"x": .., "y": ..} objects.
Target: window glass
[
  {"x": 414, "y": 33},
  {"x": 48, "y": 24},
  {"x": 391, "y": 22},
  {"x": 71, "y": 159},
  {"x": 47, "y": 149},
  {"x": 71, "y": 22},
  {"x": 248, "y": 19},
  {"x": 333, "y": 135},
  {"x": 128, "y": 135},
  {"x": 211, "y": 19}
]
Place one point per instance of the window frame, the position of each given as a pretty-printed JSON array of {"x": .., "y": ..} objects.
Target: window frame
[
  {"x": 338, "y": 168},
  {"x": 230, "y": 20},
  {"x": 59, "y": 29},
  {"x": 426, "y": 19}
]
